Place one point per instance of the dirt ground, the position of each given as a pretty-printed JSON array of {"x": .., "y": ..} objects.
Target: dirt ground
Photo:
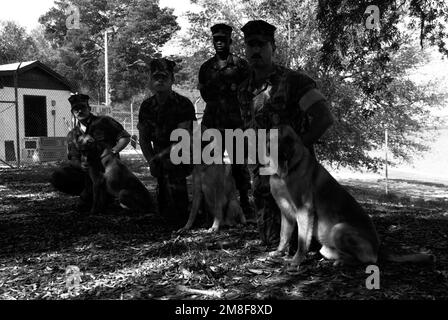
[{"x": 126, "y": 256}]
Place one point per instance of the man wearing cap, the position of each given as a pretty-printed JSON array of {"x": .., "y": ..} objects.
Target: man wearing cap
[
  {"x": 219, "y": 78},
  {"x": 274, "y": 95},
  {"x": 72, "y": 178},
  {"x": 159, "y": 115}
]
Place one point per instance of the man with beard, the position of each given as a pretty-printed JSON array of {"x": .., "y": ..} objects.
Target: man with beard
[{"x": 274, "y": 95}]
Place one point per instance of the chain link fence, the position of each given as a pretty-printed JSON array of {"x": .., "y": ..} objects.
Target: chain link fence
[
  {"x": 35, "y": 115},
  {"x": 8, "y": 137}
]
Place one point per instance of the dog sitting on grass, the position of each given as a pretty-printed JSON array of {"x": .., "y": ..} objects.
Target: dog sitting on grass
[
  {"x": 310, "y": 197},
  {"x": 110, "y": 175}
]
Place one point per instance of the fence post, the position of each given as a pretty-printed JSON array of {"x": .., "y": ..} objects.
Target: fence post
[
  {"x": 132, "y": 116},
  {"x": 386, "y": 138},
  {"x": 16, "y": 93}
]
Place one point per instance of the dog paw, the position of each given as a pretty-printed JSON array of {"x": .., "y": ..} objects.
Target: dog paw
[
  {"x": 212, "y": 229},
  {"x": 275, "y": 254},
  {"x": 338, "y": 263},
  {"x": 182, "y": 230},
  {"x": 293, "y": 268}
]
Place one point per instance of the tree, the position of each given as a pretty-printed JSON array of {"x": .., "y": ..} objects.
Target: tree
[
  {"x": 362, "y": 72},
  {"x": 16, "y": 44},
  {"x": 138, "y": 28},
  {"x": 45, "y": 53},
  {"x": 142, "y": 32}
]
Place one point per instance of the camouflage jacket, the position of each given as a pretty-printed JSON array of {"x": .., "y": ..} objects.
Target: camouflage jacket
[
  {"x": 282, "y": 99},
  {"x": 103, "y": 129},
  {"x": 218, "y": 86},
  {"x": 158, "y": 121},
  {"x": 106, "y": 130}
]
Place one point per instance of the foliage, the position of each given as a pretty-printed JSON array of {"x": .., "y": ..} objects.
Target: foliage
[
  {"x": 16, "y": 44},
  {"x": 136, "y": 30},
  {"x": 362, "y": 72}
]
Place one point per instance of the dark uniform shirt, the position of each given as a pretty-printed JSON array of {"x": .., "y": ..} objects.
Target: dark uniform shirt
[
  {"x": 219, "y": 86},
  {"x": 106, "y": 130},
  {"x": 282, "y": 99},
  {"x": 158, "y": 121}
]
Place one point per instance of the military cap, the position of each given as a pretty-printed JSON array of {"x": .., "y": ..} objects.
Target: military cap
[
  {"x": 161, "y": 66},
  {"x": 78, "y": 98},
  {"x": 259, "y": 27},
  {"x": 221, "y": 29}
]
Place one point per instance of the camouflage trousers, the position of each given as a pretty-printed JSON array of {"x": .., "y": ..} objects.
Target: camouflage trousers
[
  {"x": 172, "y": 199},
  {"x": 268, "y": 213}
]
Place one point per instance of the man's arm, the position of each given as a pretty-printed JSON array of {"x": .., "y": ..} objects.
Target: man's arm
[
  {"x": 109, "y": 127},
  {"x": 186, "y": 117},
  {"x": 145, "y": 142},
  {"x": 208, "y": 90},
  {"x": 320, "y": 120},
  {"x": 316, "y": 108},
  {"x": 121, "y": 144},
  {"x": 201, "y": 85},
  {"x": 144, "y": 130}
]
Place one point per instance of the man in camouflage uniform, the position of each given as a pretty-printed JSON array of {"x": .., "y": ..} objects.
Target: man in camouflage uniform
[
  {"x": 274, "y": 95},
  {"x": 159, "y": 115},
  {"x": 72, "y": 178},
  {"x": 219, "y": 78}
]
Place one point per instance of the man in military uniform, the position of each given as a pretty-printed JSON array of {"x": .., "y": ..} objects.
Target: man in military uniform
[
  {"x": 159, "y": 115},
  {"x": 274, "y": 95},
  {"x": 219, "y": 78},
  {"x": 72, "y": 178}
]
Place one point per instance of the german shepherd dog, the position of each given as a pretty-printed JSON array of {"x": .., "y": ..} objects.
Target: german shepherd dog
[
  {"x": 214, "y": 186},
  {"x": 109, "y": 174},
  {"x": 309, "y": 196}
]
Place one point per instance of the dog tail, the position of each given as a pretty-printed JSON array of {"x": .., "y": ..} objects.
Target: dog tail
[{"x": 419, "y": 258}]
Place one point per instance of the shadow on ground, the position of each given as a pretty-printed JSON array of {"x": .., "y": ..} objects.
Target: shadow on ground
[{"x": 123, "y": 256}]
